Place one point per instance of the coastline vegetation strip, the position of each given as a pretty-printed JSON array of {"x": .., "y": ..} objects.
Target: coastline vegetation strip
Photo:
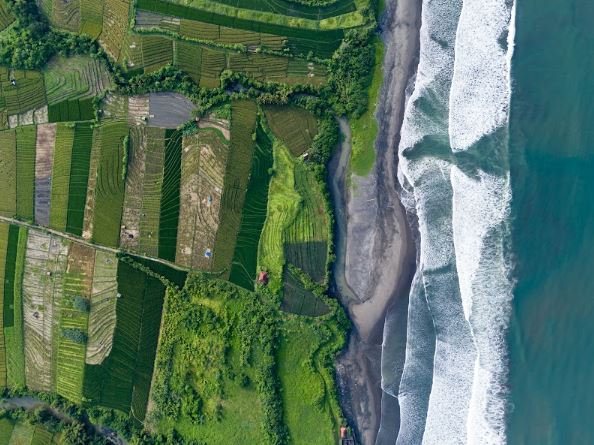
[
  {"x": 169, "y": 205},
  {"x": 8, "y": 205},
  {"x": 109, "y": 190},
  {"x": 13, "y": 333},
  {"x": 239, "y": 162},
  {"x": 61, "y": 177},
  {"x": 245, "y": 258},
  {"x": 79, "y": 177},
  {"x": 123, "y": 380},
  {"x": 26, "y": 137},
  {"x": 365, "y": 128}
]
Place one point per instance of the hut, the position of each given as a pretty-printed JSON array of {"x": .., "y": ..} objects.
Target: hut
[{"x": 263, "y": 278}]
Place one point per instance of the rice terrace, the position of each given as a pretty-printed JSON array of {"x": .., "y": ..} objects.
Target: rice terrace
[{"x": 166, "y": 232}]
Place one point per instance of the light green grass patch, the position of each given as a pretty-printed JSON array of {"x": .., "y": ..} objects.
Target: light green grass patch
[
  {"x": 61, "y": 177},
  {"x": 364, "y": 129}
]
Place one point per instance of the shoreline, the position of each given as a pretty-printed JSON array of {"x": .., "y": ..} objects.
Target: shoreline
[{"x": 375, "y": 249}]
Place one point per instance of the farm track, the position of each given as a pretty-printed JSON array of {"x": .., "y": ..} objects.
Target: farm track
[{"x": 84, "y": 242}]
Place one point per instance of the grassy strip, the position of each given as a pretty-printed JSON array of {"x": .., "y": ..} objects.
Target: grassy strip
[
  {"x": 245, "y": 258},
  {"x": 61, "y": 177},
  {"x": 79, "y": 177},
  {"x": 169, "y": 211},
  {"x": 109, "y": 191},
  {"x": 8, "y": 173},
  {"x": 25, "y": 143},
  {"x": 364, "y": 129},
  {"x": 13, "y": 335}
]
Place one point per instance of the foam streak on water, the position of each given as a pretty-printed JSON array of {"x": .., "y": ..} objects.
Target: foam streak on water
[{"x": 454, "y": 163}]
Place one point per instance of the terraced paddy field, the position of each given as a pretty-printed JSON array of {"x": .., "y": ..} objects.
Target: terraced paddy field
[{"x": 6, "y": 16}]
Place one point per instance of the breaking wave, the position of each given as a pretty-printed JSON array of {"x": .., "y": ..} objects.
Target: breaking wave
[{"x": 454, "y": 166}]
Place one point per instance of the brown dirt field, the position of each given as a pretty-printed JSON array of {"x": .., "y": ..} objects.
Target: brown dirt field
[
  {"x": 90, "y": 202},
  {"x": 130, "y": 232}
]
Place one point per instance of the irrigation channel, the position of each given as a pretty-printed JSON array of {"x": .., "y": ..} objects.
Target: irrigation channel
[{"x": 32, "y": 403}]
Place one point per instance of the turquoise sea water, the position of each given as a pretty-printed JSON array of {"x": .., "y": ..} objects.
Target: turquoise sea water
[{"x": 551, "y": 347}]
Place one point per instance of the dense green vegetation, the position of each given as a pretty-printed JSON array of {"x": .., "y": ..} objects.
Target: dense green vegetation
[
  {"x": 79, "y": 177},
  {"x": 364, "y": 128}
]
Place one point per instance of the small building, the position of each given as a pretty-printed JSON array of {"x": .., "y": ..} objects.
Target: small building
[{"x": 263, "y": 278}]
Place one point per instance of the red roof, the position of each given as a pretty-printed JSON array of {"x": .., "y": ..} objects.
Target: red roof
[{"x": 263, "y": 277}]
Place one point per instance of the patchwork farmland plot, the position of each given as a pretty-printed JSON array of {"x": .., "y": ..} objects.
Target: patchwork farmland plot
[
  {"x": 295, "y": 127},
  {"x": 28, "y": 92},
  {"x": 144, "y": 183},
  {"x": 25, "y": 175},
  {"x": 43, "y": 280},
  {"x": 237, "y": 171},
  {"x": 109, "y": 189},
  {"x": 298, "y": 300},
  {"x": 294, "y": 9},
  {"x": 189, "y": 59},
  {"x": 73, "y": 319},
  {"x": 66, "y": 15},
  {"x": 245, "y": 258},
  {"x": 204, "y": 158},
  {"x": 60, "y": 180},
  {"x": 138, "y": 109},
  {"x": 6, "y": 16},
  {"x": 123, "y": 380},
  {"x": 299, "y": 39},
  {"x": 7, "y": 260},
  {"x": 91, "y": 18},
  {"x": 78, "y": 77},
  {"x": 102, "y": 315},
  {"x": 115, "y": 26},
  {"x": 8, "y": 161},
  {"x": 22, "y": 433},
  {"x": 214, "y": 61},
  {"x": 89, "y": 212},
  {"x": 44, "y": 155}
]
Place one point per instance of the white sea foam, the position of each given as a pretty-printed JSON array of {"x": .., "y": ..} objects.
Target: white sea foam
[
  {"x": 462, "y": 222},
  {"x": 479, "y": 98}
]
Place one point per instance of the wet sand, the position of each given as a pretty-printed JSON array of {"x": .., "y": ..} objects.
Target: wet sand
[{"x": 374, "y": 248}]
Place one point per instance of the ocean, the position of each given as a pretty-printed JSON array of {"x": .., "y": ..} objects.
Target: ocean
[{"x": 497, "y": 164}]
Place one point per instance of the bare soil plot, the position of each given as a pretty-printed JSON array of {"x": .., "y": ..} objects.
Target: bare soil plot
[
  {"x": 138, "y": 109},
  {"x": 102, "y": 317},
  {"x": 130, "y": 231},
  {"x": 115, "y": 107},
  {"x": 90, "y": 201},
  {"x": 204, "y": 157},
  {"x": 169, "y": 110},
  {"x": 43, "y": 279},
  {"x": 44, "y": 154}
]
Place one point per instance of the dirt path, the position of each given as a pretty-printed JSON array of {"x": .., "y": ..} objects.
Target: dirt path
[{"x": 80, "y": 240}]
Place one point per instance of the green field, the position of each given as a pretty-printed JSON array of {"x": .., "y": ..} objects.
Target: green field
[
  {"x": 25, "y": 184},
  {"x": 79, "y": 177},
  {"x": 6, "y": 16},
  {"x": 8, "y": 204},
  {"x": 109, "y": 191},
  {"x": 71, "y": 110},
  {"x": 27, "y": 94},
  {"x": 61, "y": 177},
  {"x": 13, "y": 314},
  {"x": 91, "y": 18},
  {"x": 295, "y": 127},
  {"x": 239, "y": 162},
  {"x": 4, "y": 255},
  {"x": 310, "y": 408},
  {"x": 169, "y": 206},
  {"x": 245, "y": 258},
  {"x": 123, "y": 380}
]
